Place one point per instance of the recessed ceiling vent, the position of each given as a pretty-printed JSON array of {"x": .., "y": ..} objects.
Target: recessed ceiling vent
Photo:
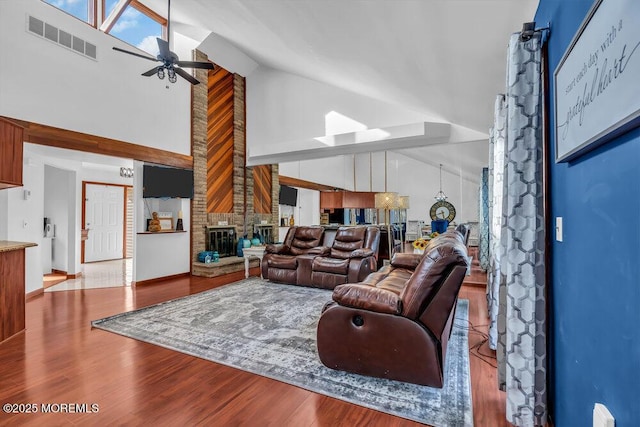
[{"x": 60, "y": 37}]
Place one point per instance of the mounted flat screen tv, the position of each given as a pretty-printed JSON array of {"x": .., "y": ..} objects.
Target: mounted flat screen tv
[
  {"x": 288, "y": 196},
  {"x": 166, "y": 182}
]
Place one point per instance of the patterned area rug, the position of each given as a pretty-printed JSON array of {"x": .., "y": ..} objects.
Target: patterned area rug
[{"x": 270, "y": 330}]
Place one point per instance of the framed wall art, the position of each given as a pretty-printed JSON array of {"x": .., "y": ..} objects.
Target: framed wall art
[{"x": 597, "y": 95}]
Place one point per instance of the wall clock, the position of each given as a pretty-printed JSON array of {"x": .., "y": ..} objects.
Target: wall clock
[{"x": 442, "y": 210}]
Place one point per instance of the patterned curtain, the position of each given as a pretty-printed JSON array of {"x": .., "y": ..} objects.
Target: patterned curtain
[
  {"x": 483, "y": 215},
  {"x": 517, "y": 272},
  {"x": 496, "y": 190}
]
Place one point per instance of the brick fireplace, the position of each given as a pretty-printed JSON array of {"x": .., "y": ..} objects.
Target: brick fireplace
[{"x": 239, "y": 212}]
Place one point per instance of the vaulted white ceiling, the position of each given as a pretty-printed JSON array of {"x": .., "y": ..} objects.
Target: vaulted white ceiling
[
  {"x": 445, "y": 58},
  {"x": 441, "y": 58}
]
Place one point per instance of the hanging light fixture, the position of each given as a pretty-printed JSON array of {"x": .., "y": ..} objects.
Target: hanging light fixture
[{"x": 441, "y": 197}]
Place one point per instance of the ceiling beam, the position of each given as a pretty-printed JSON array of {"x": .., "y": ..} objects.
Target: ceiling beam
[
  {"x": 301, "y": 183},
  {"x": 36, "y": 133},
  {"x": 412, "y": 135}
]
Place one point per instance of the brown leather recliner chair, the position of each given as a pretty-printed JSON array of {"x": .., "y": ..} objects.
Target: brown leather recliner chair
[
  {"x": 352, "y": 257},
  {"x": 284, "y": 262},
  {"x": 396, "y": 323}
]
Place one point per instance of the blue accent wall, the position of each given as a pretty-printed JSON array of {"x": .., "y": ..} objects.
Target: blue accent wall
[{"x": 595, "y": 289}]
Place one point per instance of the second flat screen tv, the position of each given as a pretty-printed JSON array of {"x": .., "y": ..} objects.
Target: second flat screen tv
[
  {"x": 166, "y": 182},
  {"x": 288, "y": 196}
]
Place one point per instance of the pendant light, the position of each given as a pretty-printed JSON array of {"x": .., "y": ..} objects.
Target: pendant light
[{"x": 441, "y": 197}]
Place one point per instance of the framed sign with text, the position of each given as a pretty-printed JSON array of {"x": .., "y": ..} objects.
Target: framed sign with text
[{"x": 597, "y": 88}]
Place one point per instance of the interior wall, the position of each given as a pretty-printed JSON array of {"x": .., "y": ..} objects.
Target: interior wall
[
  {"x": 57, "y": 207},
  {"x": 46, "y": 83},
  {"x": 159, "y": 254},
  {"x": 25, "y": 219},
  {"x": 595, "y": 290},
  {"x": 405, "y": 175}
]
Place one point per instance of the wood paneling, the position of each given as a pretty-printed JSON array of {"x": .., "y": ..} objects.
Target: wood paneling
[
  {"x": 220, "y": 142},
  {"x": 262, "y": 189},
  {"x": 62, "y": 138},
  {"x": 11, "y": 137},
  {"x": 12, "y": 298}
]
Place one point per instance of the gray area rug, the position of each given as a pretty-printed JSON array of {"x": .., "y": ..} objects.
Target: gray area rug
[{"x": 270, "y": 330}]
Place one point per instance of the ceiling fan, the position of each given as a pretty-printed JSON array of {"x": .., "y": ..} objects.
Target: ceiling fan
[{"x": 170, "y": 63}]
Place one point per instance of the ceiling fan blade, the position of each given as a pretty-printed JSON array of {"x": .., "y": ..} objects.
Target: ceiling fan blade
[
  {"x": 186, "y": 76},
  {"x": 192, "y": 64},
  {"x": 163, "y": 47},
  {"x": 152, "y": 71},
  {"x": 135, "y": 54}
]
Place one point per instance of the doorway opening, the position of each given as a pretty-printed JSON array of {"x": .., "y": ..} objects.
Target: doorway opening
[{"x": 107, "y": 218}]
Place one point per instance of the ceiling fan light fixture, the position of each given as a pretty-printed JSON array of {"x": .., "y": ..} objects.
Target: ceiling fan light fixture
[
  {"x": 169, "y": 59},
  {"x": 172, "y": 75}
]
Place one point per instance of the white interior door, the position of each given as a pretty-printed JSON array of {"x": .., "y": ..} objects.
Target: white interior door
[{"x": 104, "y": 217}]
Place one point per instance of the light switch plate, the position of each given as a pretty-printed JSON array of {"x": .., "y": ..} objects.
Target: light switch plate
[{"x": 559, "y": 228}]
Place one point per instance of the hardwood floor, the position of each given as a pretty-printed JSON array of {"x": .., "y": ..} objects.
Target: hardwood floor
[{"x": 60, "y": 359}]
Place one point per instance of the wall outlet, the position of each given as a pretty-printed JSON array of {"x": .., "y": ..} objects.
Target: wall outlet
[{"x": 602, "y": 417}]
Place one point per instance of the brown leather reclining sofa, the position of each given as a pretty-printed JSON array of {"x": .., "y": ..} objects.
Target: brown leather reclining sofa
[
  {"x": 396, "y": 323},
  {"x": 309, "y": 256}
]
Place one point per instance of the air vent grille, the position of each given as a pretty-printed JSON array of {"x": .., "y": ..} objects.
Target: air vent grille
[{"x": 60, "y": 37}]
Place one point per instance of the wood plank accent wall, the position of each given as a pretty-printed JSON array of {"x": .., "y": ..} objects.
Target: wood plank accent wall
[
  {"x": 220, "y": 141},
  {"x": 62, "y": 138},
  {"x": 262, "y": 187}
]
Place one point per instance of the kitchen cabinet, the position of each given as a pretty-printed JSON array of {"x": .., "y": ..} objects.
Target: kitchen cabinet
[
  {"x": 11, "y": 140},
  {"x": 347, "y": 199},
  {"x": 12, "y": 288}
]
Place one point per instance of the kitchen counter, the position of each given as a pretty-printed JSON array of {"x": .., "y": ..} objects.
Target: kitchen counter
[{"x": 7, "y": 245}]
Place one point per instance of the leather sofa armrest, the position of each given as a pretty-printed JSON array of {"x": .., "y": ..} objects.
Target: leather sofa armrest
[
  {"x": 276, "y": 249},
  {"x": 367, "y": 298},
  {"x": 319, "y": 250},
  {"x": 361, "y": 253},
  {"x": 408, "y": 261}
]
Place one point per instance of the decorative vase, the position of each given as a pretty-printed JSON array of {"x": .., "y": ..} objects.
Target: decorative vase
[
  {"x": 255, "y": 242},
  {"x": 246, "y": 243}
]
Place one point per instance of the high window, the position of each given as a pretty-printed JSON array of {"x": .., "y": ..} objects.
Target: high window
[{"x": 128, "y": 20}]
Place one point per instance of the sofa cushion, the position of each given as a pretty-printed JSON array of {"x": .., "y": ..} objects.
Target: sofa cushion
[
  {"x": 429, "y": 275},
  {"x": 347, "y": 240},
  {"x": 305, "y": 239},
  {"x": 390, "y": 278},
  {"x": 282, "y": 261},
  {"x": 331, "y": 265},
  {"x": 404, "y": 260},
  {"x": 367, "y": 298}
]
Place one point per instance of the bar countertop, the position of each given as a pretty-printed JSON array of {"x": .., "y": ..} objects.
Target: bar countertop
[{"x": 6, "y": 245}]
